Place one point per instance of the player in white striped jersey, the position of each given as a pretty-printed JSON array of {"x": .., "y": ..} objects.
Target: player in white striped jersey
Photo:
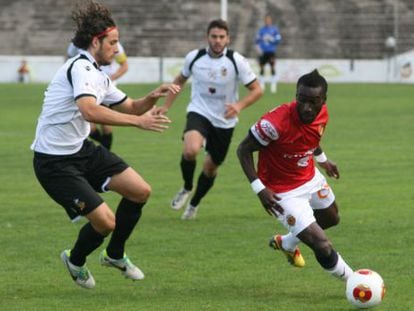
[{"x": 213, "y": 110}]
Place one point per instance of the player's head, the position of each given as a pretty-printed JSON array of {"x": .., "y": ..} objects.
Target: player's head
[
  {"x": 268, "y": 20},
  {"x": 311, "y": 91},
  {"x": 96, "y": 31},
  {"x": 217, "y": 36}
]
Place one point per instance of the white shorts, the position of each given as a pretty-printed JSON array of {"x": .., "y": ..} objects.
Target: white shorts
[{"x": 299, "y": 203}]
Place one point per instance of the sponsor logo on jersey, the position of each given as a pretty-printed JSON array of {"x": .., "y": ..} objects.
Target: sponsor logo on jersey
[{"x": 224, "y": 71}]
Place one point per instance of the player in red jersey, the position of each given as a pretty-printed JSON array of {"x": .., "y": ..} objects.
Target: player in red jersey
[{"x": 287, "y": 182}]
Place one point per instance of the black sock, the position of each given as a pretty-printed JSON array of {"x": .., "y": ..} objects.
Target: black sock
[
  {"x": 126, "y": 217},
  {"x": 187, "y": 171},
  {"x": 95, "y": 135},
  {"x": 106, "y": 140},
  {"x": 203, "y": 186},
  {"x": 88, "y": 240},
  {"x": 328, "y": 262}
]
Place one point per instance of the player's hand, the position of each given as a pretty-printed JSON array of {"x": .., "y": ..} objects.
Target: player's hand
[
  {"x": 232, "y": 111},
  {"x": 269, "y": 201},
  {"x": 330, "y": 168},
  {"x": 164, "y": 89},
  {"x": 153, "y": 122},
  {"x": 160, "y": 110}
]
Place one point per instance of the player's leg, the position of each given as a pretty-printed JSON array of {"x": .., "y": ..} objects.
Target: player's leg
[
  {"x": 195, "y": 131},
  {"x": 106, "y": 137},
  {"x": 327, "y": 217},
  {"x": 314, "y": 236},
  {"x": 262, "y": 63},
  {"x": 95, "y": 133},
  {"x": 204, "y": 184},
  {"x": 135, "y": 192},
  {"x": 273, "y": 79},
  {"x": 217, "y": 146},
  {"x": 324, "y": 206}
]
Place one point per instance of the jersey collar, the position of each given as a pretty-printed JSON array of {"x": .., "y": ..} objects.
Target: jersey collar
[
  {"x": 89, "y": 57},
  {"x": 223, "y": 53}
]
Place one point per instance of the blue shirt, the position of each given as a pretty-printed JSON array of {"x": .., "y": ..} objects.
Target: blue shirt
[{"x": 268, "y": 38}]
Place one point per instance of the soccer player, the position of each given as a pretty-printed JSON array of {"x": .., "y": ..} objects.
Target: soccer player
[
  {"x": 115, "y": 70},
  {"x": 287, "y": 182},
  {"x": 71, "y": 169},
  {"x": 212, "y": 113},
  {"x": 267, "y": 41}
]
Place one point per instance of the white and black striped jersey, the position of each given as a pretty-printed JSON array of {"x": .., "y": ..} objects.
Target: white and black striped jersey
[
  {"x": 61, "y": 128},
  {"x": 215, "y": 82}
]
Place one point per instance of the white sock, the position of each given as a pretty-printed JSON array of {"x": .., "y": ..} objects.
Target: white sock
[
  {"x": 341, "y": 269},
  {"x": 262, "y": 82},
  {"x": 273, "y": 85},
  {"x": 289, "y": 242}
]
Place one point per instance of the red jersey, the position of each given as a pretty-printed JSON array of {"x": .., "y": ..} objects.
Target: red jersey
[{"x": 287, "y": 161}]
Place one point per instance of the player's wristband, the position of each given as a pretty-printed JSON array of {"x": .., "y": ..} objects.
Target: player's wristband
[
  {"x": 320, "y": 158},
  {"x": 257, "y": 185}
]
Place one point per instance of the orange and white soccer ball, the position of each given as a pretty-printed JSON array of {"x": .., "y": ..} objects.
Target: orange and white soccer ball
[{"x": 365, "y": 289}]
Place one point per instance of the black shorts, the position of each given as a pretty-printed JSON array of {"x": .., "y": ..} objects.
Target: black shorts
[
  {"x": 217, "y": 139},
  {"x": 267, "y": 58},
  {"x": 74, "y": 180}
]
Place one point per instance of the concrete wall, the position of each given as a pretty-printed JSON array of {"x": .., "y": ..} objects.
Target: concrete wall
[{"x": 154, "y": 69}]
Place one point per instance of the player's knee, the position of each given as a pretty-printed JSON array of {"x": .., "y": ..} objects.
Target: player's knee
[
  {"x": 322, "y": 248},
  {"x": 107, "y": 226},
  {"x": 142, "y": 195},
  {"x": 190, "y": 154}
]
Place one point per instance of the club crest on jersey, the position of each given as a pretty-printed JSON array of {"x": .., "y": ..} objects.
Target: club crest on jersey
[
  {"x": 224, "y": 71},
  {"x": 88, "y": 68}
]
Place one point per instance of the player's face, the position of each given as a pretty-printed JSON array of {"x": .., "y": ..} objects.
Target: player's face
[
  {"x": 108, "y": 48},
  {"x": 309, "y": 102},
  {"x": 218, "y": 39}
]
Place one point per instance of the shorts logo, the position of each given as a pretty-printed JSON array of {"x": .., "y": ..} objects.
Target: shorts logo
[
  {"x": 80, "y": 204},
  {"x": 212, "y": 90},
  {"x": 324, "y": 192},
  {"x": 291, "y": 220}
]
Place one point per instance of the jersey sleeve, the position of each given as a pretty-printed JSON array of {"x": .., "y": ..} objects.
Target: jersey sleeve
[
  {"x": 264, "y": 131},
  {"x": 186, "y": 72},
  {"x": 83, "y": 80},
  {"x": 246, "y": 74},
  {"x": 114, "y": 96}
]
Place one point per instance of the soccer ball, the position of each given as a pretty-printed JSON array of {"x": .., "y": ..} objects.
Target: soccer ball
[{"x": 365, "y": 289}]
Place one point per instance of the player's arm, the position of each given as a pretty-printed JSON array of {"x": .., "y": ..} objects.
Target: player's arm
[
  {"x": 330, "y": 167},
  {"x": 122, "y": 69},
  {"x": 245, "y": 152},
  {"x": 179, "y": 80},
  {"x": 142, "y": 105},
  {"x": 98, "y": 114},
  {"x": 254, "y": 93}
]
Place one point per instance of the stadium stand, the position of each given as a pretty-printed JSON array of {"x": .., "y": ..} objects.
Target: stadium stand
[{"x": 353, "y": 29}]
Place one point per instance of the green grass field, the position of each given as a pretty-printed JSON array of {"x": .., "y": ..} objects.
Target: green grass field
[{"x": 221, "y": 260}]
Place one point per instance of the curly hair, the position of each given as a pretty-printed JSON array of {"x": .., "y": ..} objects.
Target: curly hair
[{"x": 91, "y": 19}]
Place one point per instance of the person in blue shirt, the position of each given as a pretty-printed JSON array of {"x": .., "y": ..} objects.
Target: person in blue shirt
[{"x": 267, "y": 41}]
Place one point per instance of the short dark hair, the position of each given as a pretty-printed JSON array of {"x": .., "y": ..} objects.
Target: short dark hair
[
  {"x": 218, "y": 23},
  {"x": 313, "y": 79},
  {"x": 91, "y": 19}
]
